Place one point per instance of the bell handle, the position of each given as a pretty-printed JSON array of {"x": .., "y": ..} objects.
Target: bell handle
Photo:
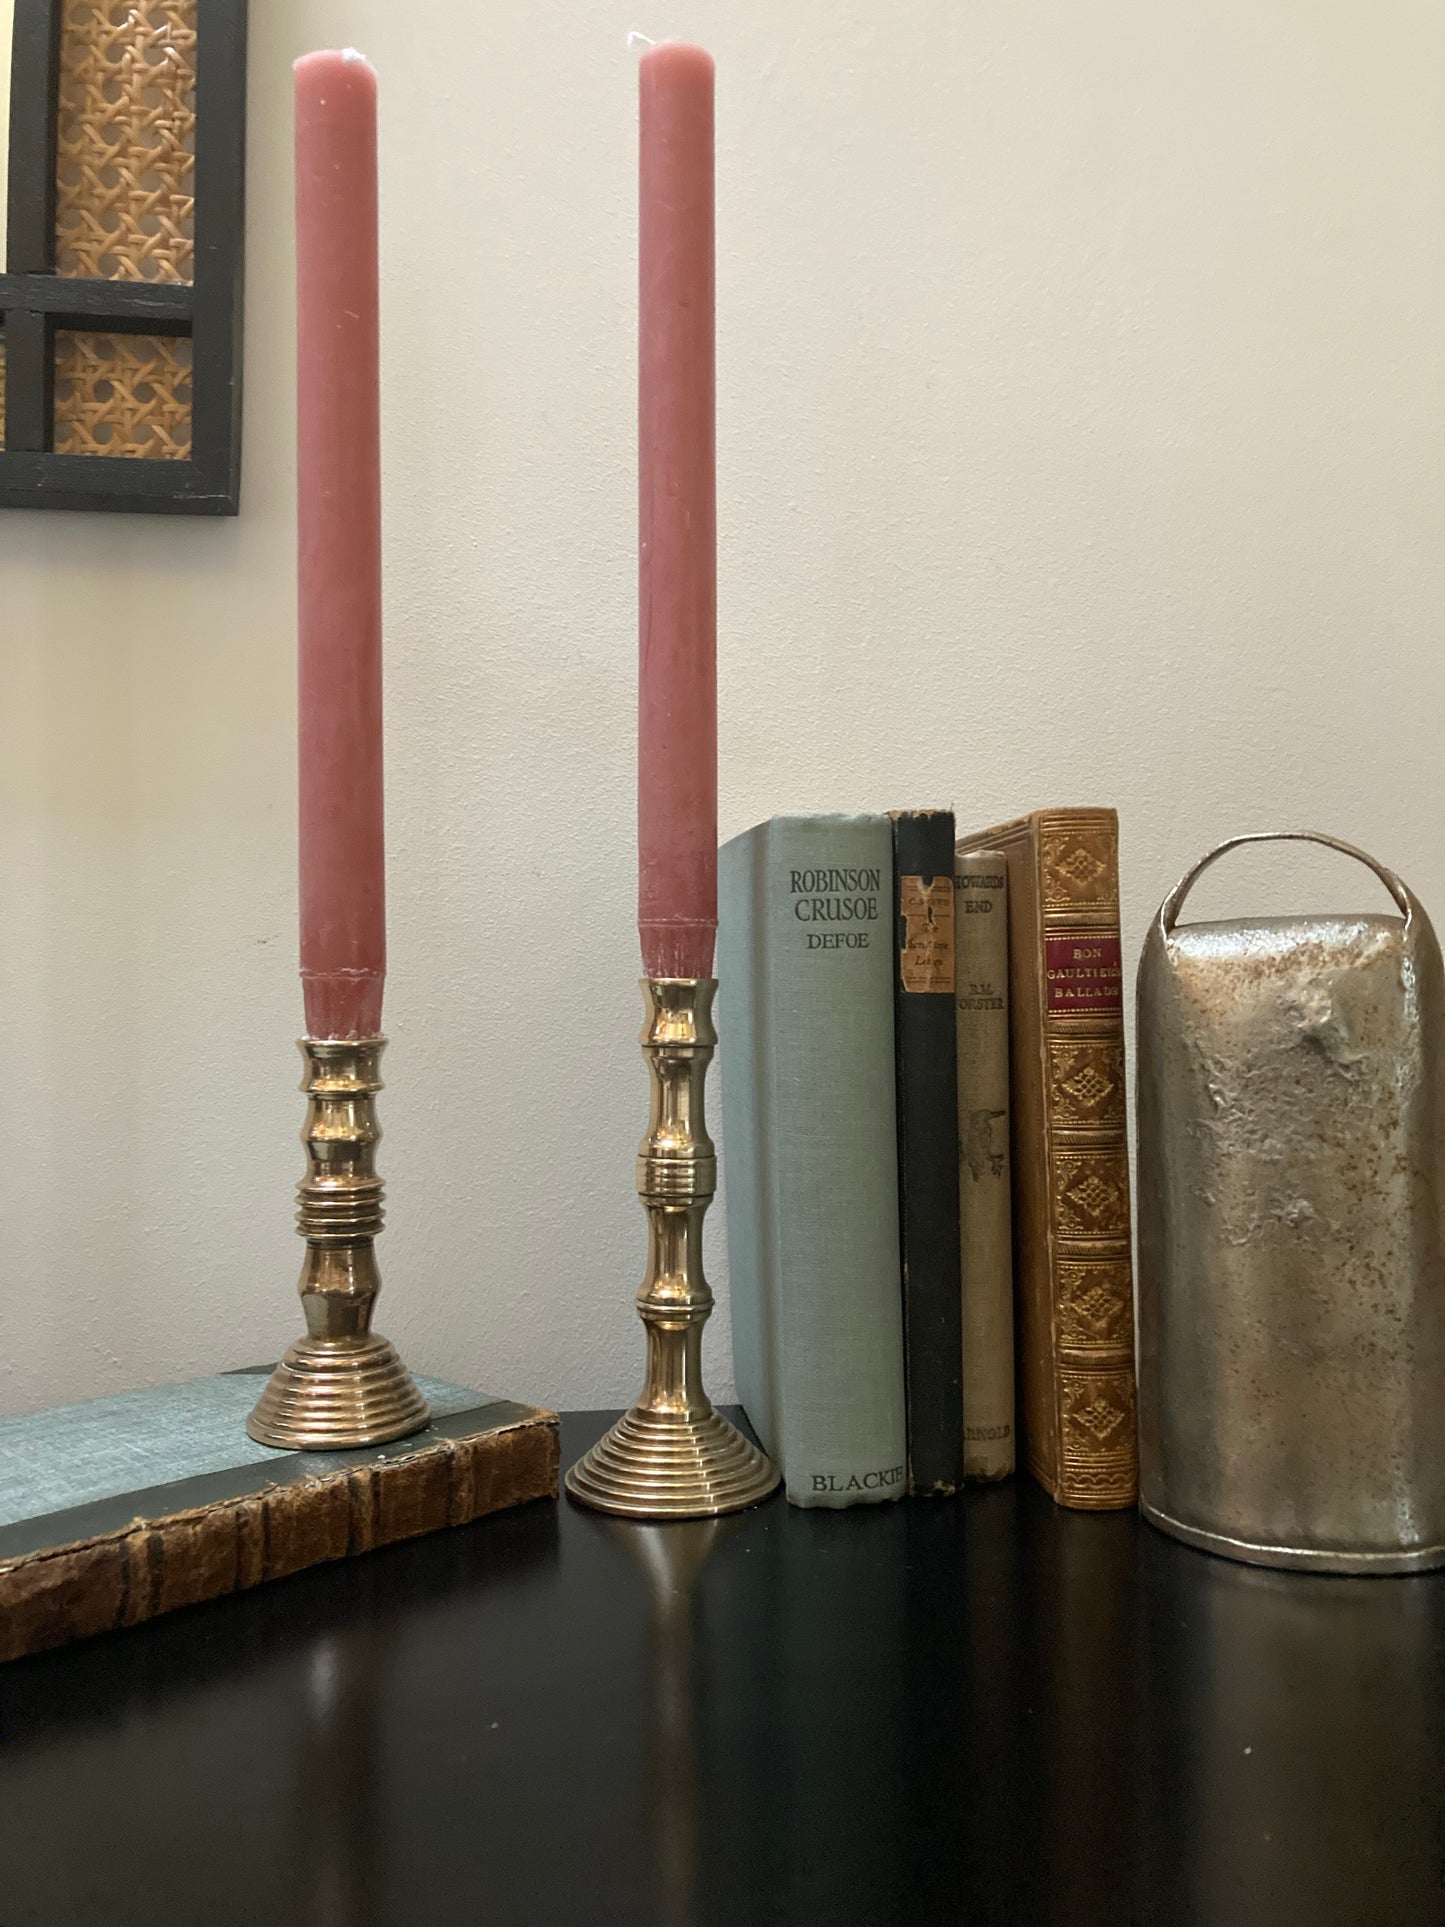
[{"x": 1172, "y": 904}]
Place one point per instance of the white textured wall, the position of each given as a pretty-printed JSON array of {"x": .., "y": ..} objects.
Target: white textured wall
[{"x": 1081, "y": 440}]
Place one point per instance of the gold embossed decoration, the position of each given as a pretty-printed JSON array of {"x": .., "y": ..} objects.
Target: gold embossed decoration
[
  {"x": 125, "y": 140},
  {"x": 1093, "y": 1193},
  {"x": 1095, "y": 1306},
  {"x": 122, "y": 395},
  {"x": 1086, "y": 1083},
  {"x": 1098, "y": 1414},
  {"x": 1079, "y": 866}
]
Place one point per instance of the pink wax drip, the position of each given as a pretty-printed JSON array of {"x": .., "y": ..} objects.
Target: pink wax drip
[
  {"x": 677, "y": 688},
  {"x": 338, "y": 513}
]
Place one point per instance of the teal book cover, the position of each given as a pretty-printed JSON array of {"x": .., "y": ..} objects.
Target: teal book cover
[
  {"x": 806, "y": 1051},
  {"x": 116, "y": 1510}
]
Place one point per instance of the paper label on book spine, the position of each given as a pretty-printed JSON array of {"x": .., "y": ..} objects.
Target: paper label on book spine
[
  {"x": 925, "y": 952},
  {"x": 1085, "y": 975}
]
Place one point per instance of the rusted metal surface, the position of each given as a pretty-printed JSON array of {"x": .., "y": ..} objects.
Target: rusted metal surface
[{"x": 1291, "y": 1100}]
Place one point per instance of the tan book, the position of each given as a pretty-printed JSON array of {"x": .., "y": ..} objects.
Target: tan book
[
  {"x": 1075, "y": 1305},
  {"x": 980, "y": 941}
]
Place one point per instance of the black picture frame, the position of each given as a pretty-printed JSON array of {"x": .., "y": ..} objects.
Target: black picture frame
[{"x": 35, "y": 300}]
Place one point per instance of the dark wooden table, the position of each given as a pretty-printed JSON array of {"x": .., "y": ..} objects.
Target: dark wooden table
[{"x": 984, "y": 1712}]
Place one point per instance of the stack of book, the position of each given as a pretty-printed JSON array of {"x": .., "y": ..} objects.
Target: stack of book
[{"x": 922, "y": 1052}]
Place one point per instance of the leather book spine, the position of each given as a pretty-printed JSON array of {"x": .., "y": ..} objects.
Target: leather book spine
[
  {"x": 155, "y": 1565},
  {"x": 984, "y": 1216},
  {"x": 926, "y": 1068},
  {"x": 1091, "y": 1290},
  {"x": 1075, "y": 1324}
]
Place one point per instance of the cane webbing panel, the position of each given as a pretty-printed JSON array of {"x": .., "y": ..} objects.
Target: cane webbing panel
[
  {"x": 122, "y": 395},
  {"x": 125, "y": 142}
]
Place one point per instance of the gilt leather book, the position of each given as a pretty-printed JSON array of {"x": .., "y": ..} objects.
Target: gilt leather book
[
  {"x": 926, "y": 1052},
  {"x": 1074, "y": 1282},
  {"x": 115, "y": 1510},
  {"x": 810, "y": 1156}
]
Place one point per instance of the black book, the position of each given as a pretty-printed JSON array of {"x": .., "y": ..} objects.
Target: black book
[{"x": 927, "y": 1066}]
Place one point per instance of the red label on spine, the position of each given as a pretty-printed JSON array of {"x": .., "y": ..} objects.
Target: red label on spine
[{"x": 1085, "y": 976}]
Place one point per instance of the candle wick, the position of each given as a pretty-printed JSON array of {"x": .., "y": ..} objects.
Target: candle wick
[{"x": 636, "y": 39}]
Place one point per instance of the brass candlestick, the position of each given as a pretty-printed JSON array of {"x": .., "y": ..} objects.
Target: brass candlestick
[
  {"x": 342, "y": 1384},
  {"x": 672, "y": 1456}
]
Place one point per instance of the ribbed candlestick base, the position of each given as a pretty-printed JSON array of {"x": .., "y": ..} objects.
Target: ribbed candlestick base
[
  {"x": 672, "y": 1465},
  {"x": 672, "y": 1456},
  {"x": 327, "y": 1396},
  {"x": 342, "y": 1384}
]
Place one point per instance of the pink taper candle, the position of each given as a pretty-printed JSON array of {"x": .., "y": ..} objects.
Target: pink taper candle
[
  {"x": 677, "y": 705},
  {"x": 338, "y": 488}
]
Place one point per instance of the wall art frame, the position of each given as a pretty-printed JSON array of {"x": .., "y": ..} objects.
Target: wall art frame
[{"x": 121, "y": 299}]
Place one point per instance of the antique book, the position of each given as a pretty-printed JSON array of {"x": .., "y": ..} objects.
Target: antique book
[
  {"x": 118, "y": 1509},
  {"x": 925, "y": 1049},
  {"x": 1075, "y": 1306},
  {"x": 810, "y": 1161},
  {"x": 980, "y": 951}
]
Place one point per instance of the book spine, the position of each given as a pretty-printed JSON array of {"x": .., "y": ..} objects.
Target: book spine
[
  {"x": 985, "y": 1231},
  {"x": 808, "y": 1124},
  {"x": 1081, "y": 1011},
  {"x": 927, "y": 1110},
  {"x": 122, "y": 1578}
]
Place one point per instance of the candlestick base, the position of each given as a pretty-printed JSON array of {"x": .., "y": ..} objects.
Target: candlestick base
[
  {"x": 342, "y": 1385},
  {"x": 327, "y": 1395},
  {"x": 672, "y": 1465},
  {"x": 672, "y": 1456}
]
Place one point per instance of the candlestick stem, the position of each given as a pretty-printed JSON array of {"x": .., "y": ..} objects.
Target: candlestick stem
[
  {"x": 342, "y": 1384},
  {"x": 672, "y": 1456}
]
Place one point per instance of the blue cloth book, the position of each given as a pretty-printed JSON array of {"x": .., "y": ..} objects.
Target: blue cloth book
[{"x": 810, "y": 1160}]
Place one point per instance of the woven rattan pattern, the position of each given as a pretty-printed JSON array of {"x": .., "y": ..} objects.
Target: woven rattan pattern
[
  {"x": 123, "y": 395},
  {"x": 125, "y": 142}
]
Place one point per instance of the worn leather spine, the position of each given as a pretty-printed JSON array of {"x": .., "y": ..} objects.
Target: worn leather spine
[
  {"x": 1070, "y": 1155},
  {"x": 153, "y": 1566}
]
